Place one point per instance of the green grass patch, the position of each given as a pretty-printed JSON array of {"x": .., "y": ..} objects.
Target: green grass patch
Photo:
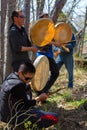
[{"x": 75, "y": 103}]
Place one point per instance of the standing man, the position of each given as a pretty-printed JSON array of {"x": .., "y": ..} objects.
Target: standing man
[
  {"x": 18, "y": 39},
  {"x": 48, "y": 52},
  {"x": 65, "y": 56},
  {"x": 16, "y": 103}
]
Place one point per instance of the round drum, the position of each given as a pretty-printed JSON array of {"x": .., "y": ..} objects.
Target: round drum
[
  {"x": 63, "y": 33},
  {"x": 42, "y": 73},
  {"x": 42, "y": 32}
]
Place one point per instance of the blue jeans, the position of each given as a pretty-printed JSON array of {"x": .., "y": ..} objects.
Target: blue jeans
[{"x": 67, "y": 60}]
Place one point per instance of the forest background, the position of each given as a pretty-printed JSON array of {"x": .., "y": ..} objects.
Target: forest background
[
  {"x": 73, "y": 11},
  {"x": 67, "y": 104}
]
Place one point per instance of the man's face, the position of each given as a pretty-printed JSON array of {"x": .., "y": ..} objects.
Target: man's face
[
  {"x": 20, "y": 19},
  {"x": 26, "y": 78}
]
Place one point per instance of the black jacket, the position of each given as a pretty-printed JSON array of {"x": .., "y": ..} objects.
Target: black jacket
[
  {"x": 17, "y": 39},
  {"x": 13, "y": 91}
]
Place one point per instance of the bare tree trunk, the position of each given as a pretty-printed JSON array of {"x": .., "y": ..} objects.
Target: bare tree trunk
[
  {"x": 32, "y": 6},
  {"x": 79, "y": 42},
  {"x": 80, "y": 37},
  {"x": 27, "y": 22},
  {"x": 27, "y": 13},
  {"x": 59, "y": 4},
  {"x": 0, "y": 52},
  {"x": 85, "y": 25},
  {"x": 40, "y": 6},
  {"x": 3, "y": 19},
  {"x": 11, "y": 5},
  {"x": 74, "y": 4}
]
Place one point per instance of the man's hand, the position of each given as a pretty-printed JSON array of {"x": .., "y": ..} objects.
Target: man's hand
[
  {"x": 41, "y": 97},
  {"x": 66, "y": 49},
  {"x": 34, "y": 49},
  {"x": 56, "y": 53},
  {"x": 56, "y": 43}
]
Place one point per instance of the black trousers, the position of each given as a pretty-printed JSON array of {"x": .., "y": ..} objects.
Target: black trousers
[{"x": 36, "y": 117}]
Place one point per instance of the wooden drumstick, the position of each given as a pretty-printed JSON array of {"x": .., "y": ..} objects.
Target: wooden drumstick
[{"x": 55, "y": 91}]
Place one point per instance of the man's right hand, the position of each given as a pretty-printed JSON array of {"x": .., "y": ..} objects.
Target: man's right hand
[
  {"x": 34, "y": 49},
  {"x": 41, "y": 97}
]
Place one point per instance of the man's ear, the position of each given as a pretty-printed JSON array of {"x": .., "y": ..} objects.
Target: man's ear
[{"x": 19, "y": 72}]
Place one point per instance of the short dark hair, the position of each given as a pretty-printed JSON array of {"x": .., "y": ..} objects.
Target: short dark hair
[
  {"x": 44, "y": 14},
  {"x": 27, "y": 67},
  {"x": 15, "y": 14}
]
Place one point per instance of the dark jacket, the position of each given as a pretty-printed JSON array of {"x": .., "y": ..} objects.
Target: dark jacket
[
  {"x": 13, "y": 91},
  {"x": 17, "y": 39}
]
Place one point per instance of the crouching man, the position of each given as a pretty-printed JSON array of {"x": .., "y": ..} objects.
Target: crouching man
[{"x": 16, "y": 103}]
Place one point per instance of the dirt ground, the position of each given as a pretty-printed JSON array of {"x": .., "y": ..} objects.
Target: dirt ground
[
  {"x": 70, "y": 117},
  {"x": 73, "y": 117}
]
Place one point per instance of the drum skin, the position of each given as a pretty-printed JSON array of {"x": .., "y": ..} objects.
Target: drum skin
[
  {"x": 63, "y": 33},
  {"x": 42, "y": 73},
  {"x": 42, "y": 32}
]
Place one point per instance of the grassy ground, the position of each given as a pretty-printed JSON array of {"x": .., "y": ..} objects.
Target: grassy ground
[{"x": 69, "y": 103}]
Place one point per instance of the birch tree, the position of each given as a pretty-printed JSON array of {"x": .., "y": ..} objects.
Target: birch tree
[
  {"x": 11, "y": 6},
  {"x": 3, "y": 19}
]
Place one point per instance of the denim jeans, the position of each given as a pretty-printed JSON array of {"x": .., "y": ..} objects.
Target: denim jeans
[{"x": 67, "y": 60}]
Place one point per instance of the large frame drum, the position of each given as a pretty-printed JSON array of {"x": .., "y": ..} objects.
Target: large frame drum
[
  {"x": 63, "y": 33},
  {"x": 42, "y": 73},
  {"x": 42, "y": 32}
]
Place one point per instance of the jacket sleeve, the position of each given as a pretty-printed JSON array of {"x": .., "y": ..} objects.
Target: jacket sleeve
[
  {"x": 72, "y": 44},
  {"x": 18, "y": 39}
]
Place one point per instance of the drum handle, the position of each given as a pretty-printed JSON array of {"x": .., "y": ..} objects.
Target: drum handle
[{"x": 53, "y": 92}]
